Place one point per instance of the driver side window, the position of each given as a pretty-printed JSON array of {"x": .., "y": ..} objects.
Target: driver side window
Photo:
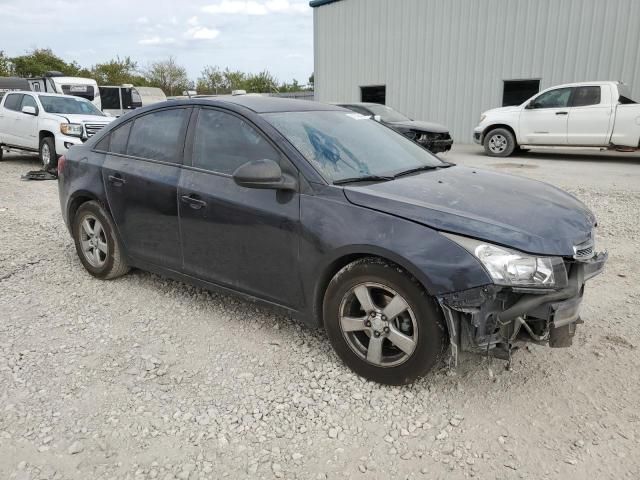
[
  {"x": 558, "y": 98},
  {"x": 223, "y": 142}
]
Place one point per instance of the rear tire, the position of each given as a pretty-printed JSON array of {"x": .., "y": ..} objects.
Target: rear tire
[
  {"x": 48, "y": 156},
  {"x": 97, "y": 244},
  {"x": 382, "y": 323},
  {"x": 499, "y": 142}
]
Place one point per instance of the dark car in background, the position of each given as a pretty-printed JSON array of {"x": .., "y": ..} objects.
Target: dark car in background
[
  {"x": 336, "y": 220},
  {"x": 433, "y": 136}
]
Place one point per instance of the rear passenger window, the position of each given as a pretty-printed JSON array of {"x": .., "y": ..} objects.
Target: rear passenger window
[
  {"x": 159, "y": 135},
  {"x": 119, "y": 138},
  {"x": 223, "y": 142},
  {"x": 13, "y": 101},
  {"x": 585, "y": 96}
]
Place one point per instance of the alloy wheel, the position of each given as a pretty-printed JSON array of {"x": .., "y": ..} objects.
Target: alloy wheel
[
  {"x": 378, "y": 324},
  {"x": 94, "y": 241},
  {"x": 498, "y": 143}
]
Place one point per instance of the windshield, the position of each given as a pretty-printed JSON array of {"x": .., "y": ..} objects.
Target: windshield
[
  {"x": 387, "y": 114},
  {"x": 344, "y": 145},
  {"x": 69, "y": 105}
]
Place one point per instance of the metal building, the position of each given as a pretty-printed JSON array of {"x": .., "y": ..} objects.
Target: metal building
[{"x": 449, "y": 60}]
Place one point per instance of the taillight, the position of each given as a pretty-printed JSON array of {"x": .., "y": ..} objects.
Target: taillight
[{"x": 61, "y": 161}]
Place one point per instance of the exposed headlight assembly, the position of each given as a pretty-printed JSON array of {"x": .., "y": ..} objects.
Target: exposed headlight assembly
[
  {"x": 71, "y": 129},
  {"x": 513, "y": 268}
]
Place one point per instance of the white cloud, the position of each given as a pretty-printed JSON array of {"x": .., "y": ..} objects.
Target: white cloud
[
  {"x": 157, "y": 41},
  {"x": 193, "y": 21},
  {"x": 201, "y": 33},
  {"x": 254, "y": 7},
  {"x": 142, "y": 20}
]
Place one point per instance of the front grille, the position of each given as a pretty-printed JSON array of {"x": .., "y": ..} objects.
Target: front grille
[
  {"x": 586, "y": 250},
  {"x": 93, "y": 128}
]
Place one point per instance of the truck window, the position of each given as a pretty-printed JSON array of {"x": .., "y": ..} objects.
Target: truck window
[
  {"x": 558, "y": 98},
  {"x": 585, "y": 96},
  {"x": 110, "y": 98},
  {"x": 82, "y": 91},
  {"x": 29, "y": 101},
  {"x": 13, "y": 101}
]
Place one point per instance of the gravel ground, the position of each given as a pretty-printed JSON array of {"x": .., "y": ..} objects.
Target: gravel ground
[{"x": 143, "y": 378}]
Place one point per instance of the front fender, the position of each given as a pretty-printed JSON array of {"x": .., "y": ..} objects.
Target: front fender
[{"x": 346, "y": 231}]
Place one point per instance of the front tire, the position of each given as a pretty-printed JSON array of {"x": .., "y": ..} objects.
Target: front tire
[
  {"x": 96, "y": 242},
  {"x": 499, "y": 142},
  {"x": 48, "y": 156},
  {"x": 382, "y": 323}
]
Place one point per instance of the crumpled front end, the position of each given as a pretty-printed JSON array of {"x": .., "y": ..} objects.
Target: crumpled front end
[{"x": 493, "y": 319}]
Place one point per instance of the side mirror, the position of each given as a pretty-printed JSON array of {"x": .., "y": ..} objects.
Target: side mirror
[
  {"x": 263, "y": 174},
  {"x": 377, "y": 118},
  {"x": 29, "y": 110}
]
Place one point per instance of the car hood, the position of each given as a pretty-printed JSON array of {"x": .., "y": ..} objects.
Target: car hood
[
  {"x": 512, "y": 211},
  {"x": 502, "y": 110},
  {"x": 430, "y": 127},
  {"x": 74, "y": 118}
]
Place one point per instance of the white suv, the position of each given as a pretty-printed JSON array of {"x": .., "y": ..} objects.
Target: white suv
[{"x": 47, "y": 123}]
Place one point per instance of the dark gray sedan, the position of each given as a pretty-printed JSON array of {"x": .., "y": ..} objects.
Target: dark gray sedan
[
  {"x": 336, "y": 220},
  {"x": 433, "y": 136}
]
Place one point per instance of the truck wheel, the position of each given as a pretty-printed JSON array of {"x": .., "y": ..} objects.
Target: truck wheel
[
  {"x": 48, "y": 156},
  {"x": 499, "y": 143},
  {"x": 382, "y": 323},
  {"x": 96, "y": 242}
]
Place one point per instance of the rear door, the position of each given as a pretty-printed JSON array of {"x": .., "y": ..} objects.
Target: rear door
[
  {"x": 140, "y": 175},
  {"x": 242, "y": 238},
  {"x": 544, "y": 121},
  {"x": 590, "y": 116}
]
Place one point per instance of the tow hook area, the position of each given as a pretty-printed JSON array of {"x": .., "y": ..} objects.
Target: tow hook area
[{"x": 492, "y": 320}]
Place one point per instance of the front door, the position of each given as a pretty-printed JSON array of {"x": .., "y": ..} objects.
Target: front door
[
  {"x": 241, "y": 238},
  {"x": 544, "y": 120},
  {"x": 141, "y": 175},
  {"x": 26, "y": 128}
]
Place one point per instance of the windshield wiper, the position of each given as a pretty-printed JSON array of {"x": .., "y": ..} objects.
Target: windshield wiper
[
  {"x": 364, "y": 178},
  {"x": 423, "y": 168}
]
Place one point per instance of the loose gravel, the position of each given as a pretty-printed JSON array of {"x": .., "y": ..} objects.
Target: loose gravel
[{"x": 144, "y": 378}]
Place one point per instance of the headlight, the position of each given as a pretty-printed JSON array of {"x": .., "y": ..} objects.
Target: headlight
[
  {"x": 423, "y": 138},
  {"x": 482, "y": 118},
  {"x": 72, "y": 129},
  {"x": 513, "y": 268}
]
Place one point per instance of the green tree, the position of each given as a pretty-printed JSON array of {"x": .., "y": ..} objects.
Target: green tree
[
  {"x": 42, "y": 60},
  {"x": 169, "y": 76},
  {"x": 6, "y": 67},
  {"x": 234, "y": 80},
  {"x": 117, "y": 71},
  {"x": 312, "y": 79},
  {"x": 212, "y": 80},
  {"x": 263, "y": 82}
]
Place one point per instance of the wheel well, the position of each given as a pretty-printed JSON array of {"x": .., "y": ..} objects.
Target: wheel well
[
  {"x": 499, "y": 125},
  {"x": 333, "y": 269},
  {"x": 78, "y": 201},
  {"x": 43, "y": 134}
]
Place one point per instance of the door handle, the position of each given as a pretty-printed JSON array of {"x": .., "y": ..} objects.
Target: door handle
[
  {"x": 562, "y": 113},
  {"x": 116, "y": 180},
  {"x": 193, "y": 201}
]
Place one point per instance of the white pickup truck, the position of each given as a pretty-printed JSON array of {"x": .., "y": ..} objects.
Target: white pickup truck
[
  {"x": 578, "y": 115},
  {"x": 47, "y": 123}
]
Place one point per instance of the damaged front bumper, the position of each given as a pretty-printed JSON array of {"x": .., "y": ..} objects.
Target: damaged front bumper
[{"x": 493, "y": 319}]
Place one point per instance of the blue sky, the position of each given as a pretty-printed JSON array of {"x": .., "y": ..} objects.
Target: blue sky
[{"x": 249, "y": 35}]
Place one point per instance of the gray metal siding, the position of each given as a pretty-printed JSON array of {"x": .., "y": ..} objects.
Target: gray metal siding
[{"x": 446, "y": 61}]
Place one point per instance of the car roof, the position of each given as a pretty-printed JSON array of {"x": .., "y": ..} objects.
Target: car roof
[
  {"x": 262, "y": 104},
  {"x": 362, "y": 104}
]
